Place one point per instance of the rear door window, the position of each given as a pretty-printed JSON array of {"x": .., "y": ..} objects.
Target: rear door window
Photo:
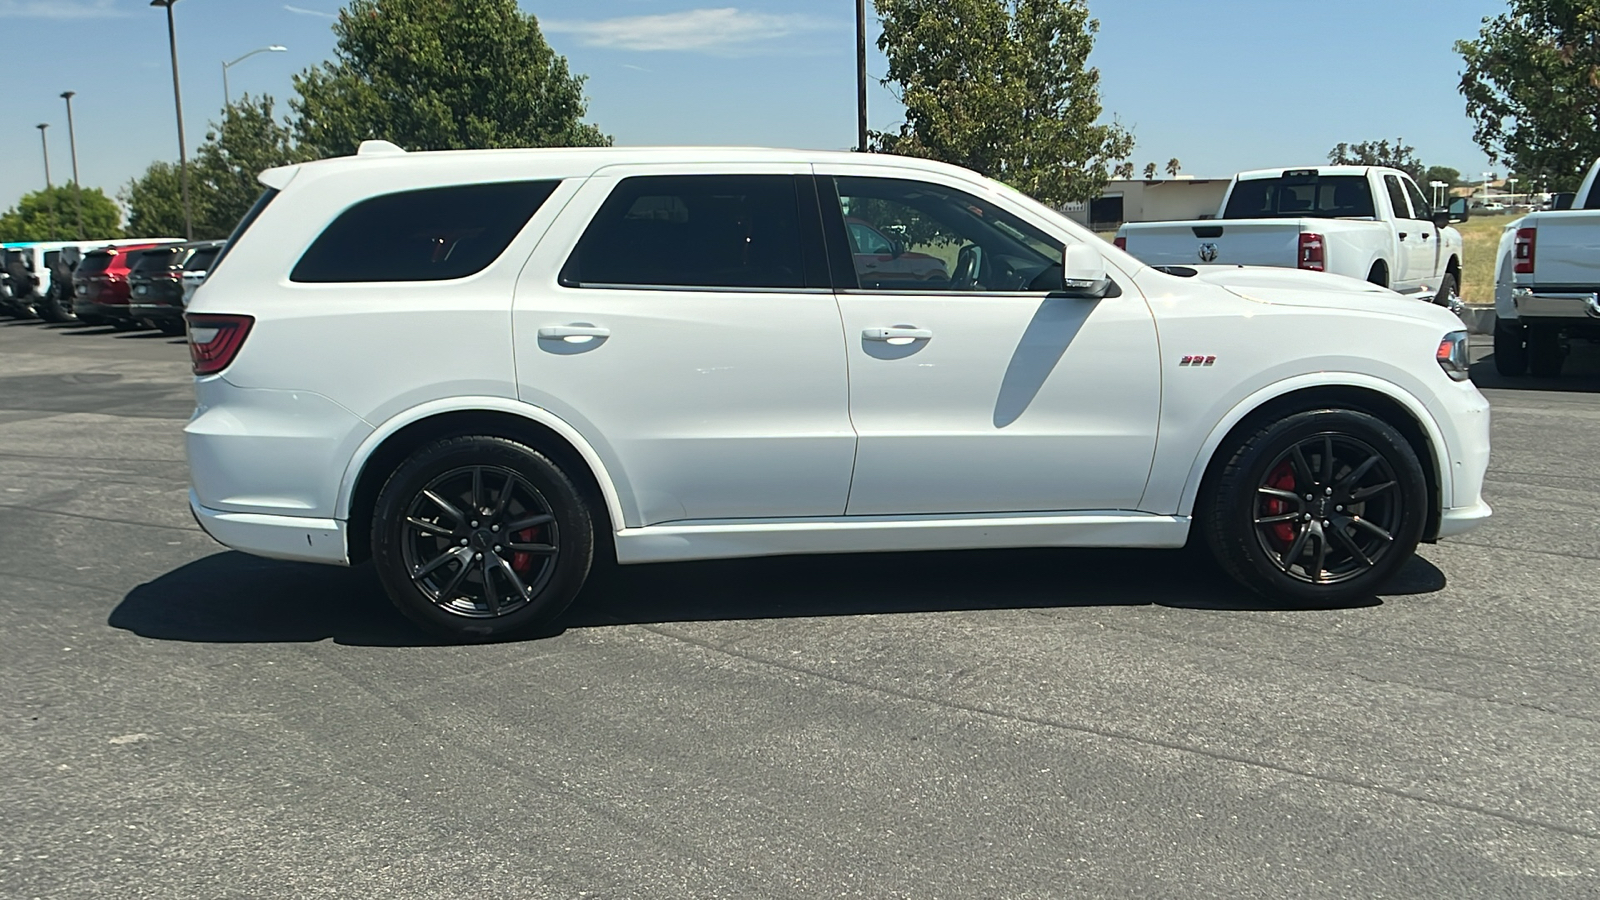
[
  {"x": 96, "y": 263},
  {"x": 434, "y": 234},
  {"x": 706, "y": 231}
]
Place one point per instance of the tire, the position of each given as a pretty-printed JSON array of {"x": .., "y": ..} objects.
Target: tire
[
  {"x": 1510, "y": 352},
  {"x": 1379, "y": 275},
  {"x": 483, "y": 590},
  {"x": 1449, "y": 291},
  {"x": 1546, "y": 353},
  {"x": 126, "y": 325},
  {"x": 1306, "y": 562},
  {"x": 171, "y": 327}
]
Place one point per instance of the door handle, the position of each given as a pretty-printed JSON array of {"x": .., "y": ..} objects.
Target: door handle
[
  {"x": 1402, "y": 235},
  {"x": 1425, "y": 235},
  {"x": 897, "y": 332},
  {"x": 562, "y": 332}
]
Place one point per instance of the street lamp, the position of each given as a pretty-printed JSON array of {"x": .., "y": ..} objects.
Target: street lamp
[
  {"x": 275, "y": 48},
  {"x": 49, "y": 189},
  {"x": 1513, "y": 183},
  {"x": 1486, "y": 177},
  {"x": 177, "y": 99},
  {"x": 72, "y": 141},
  {"x": 1438, "y": 193}
]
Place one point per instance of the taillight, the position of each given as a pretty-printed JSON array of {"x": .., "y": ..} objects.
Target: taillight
[
  {"x": 215, "y": 340},
  {"x": 1121, "y": 242},
  {"x": 1527, "y": 246},
  {"x": 1311, "y": 258}
]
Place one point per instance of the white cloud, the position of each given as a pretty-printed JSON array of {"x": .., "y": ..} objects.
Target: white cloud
[
  {"x": 301, "y": 11},
  {"x": 59, "y": 9},
  {"x": 727, "y": 31}
]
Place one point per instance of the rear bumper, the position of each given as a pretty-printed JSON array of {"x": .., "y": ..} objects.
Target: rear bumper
[
  {"x": 88, "y": 309},
  {"x": 154, "y": 311},
  {"x": 275, "y": 537},
  {"x": 1534, "y": 304}
]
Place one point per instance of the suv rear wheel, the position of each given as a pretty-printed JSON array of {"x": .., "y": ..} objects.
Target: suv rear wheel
[
  {"x": 481, "y": 537},
  {"x": 1319, "y": 508}
]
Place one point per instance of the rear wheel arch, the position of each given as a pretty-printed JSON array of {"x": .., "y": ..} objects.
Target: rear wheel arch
[
  {"x": 1379, "y": 273},
  {"x": 394, "y": 449},
  {"x": 1345, "y": 396}
]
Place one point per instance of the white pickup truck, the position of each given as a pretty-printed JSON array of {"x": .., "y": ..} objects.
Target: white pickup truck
[
  {"x": 1365, "y": 222},
  {"x": 1547, "y": 284}
]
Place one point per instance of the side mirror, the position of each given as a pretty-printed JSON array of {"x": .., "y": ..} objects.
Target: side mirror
[
  {"x": 1457, "y": 211},
  {"x": 1083, "y": 272},
  {"x": 897, "y": 247}
]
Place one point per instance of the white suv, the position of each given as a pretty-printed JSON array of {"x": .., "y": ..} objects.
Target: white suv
[{"x": 471, "y": 366}]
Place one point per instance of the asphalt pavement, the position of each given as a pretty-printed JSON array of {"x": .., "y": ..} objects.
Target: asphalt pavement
[{"x": 179, "y": 720}]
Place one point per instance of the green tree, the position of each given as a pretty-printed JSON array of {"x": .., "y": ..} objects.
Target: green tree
[
  {"x": 53, "y": 217},
  {"x": 155, "y": 202},
  {"x": 1442, "y": 173},
  {"x": 1398, "y": 155},
  {"x": 440, "y": 75},
  {"x": 1532, "y": 86},
  {"x": 1150, "y": 171},
  {"x": 1124, "y": 170},
  {"x": 1174, "y": 167},
  {"x": 1001, "y": 87},
  {"x": 248, "y": 141}
]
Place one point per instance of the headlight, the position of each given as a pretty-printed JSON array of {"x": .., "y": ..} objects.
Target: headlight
[{"x": 1452, "y": 355}]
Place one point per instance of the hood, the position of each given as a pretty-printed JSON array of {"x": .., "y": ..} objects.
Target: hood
[{"x": 1294, "y": 287}]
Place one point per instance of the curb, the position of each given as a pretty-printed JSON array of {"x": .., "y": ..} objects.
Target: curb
[{"x": 1478, "y": 319}]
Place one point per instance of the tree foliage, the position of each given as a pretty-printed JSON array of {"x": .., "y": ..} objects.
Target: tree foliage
[
  {"x": 1442, "y": 173},
  {"x": 1532, "y": 86},
  {"x": 1174, "y": 167},
  {"x": 440, "y": 75},
  {"x": 1124, "y": 170},
  {"x": 1398, "y": 155},
  {"x": 1001, "y": 87},
  {"x": 1150, "y": 171},
  {"x": 222, "y": 175},
  {"x": 52, "y": 216}
]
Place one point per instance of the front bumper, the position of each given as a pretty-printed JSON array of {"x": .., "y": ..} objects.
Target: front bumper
[
  {"x": 1532, "y": 304},
  {"x": 276, "y": 537},
  {"x": 1463, "y": 519}
]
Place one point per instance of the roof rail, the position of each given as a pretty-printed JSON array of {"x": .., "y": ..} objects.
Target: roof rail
[{"x": 378, "y": 148}]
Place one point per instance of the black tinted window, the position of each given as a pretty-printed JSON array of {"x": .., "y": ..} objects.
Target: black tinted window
[
  {"x": 427, "y": 235},
  {"x": 1420, "y": 207},
  {"x": 1397, "y": 197},
  {"x": 202, "y": 259},
  {"x": 1297, "y": 196},
  {"x": 151, "y": 261},
  {"x": 693, "y": 231},
  {"x": 95, "y": 263}
]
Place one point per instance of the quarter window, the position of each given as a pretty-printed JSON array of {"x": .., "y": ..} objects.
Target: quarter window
[
  {"x": 433, "y": 234},
  {"x": 915, "y": 236},
  {"x": 712, "y": 231}
]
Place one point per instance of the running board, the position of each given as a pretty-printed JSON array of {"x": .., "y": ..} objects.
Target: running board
[{"x": 733, "y": 538}]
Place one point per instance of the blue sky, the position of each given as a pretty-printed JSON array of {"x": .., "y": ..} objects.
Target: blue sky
[{"x": 1223, "y": 85}]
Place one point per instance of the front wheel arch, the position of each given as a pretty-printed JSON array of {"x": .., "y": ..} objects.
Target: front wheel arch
[{"x": 1351, "y": 397}]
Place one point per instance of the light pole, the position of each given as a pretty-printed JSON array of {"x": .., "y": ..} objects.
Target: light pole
[
  {"x": 177, "y": 99},
  {"x": 1486, "y": 177},
  {"x": 275, "y": 48},
  {"x": 49, "y": 189},
  {"x": 1513, "y": 183},
  {"x": 861, "y": 76},
  {"x": 1439, "y": 193},
  {"x": 72, "y": 141}
]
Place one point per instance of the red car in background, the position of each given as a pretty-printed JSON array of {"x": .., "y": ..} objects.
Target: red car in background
[
  {"x": 880, "y": 259},
  {"x": 100, "y": 285}
]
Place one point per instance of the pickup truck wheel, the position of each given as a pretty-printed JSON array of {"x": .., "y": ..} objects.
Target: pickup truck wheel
[
  {"x": 481, "y": 537},
  {"x": 1379, "y": 275},
  {"x": 1448, "y": 295},
  {"x": 1319, "y": 508},
  {"x": 1546, "y": 353},
  {"x": 1510, "y": 353}
]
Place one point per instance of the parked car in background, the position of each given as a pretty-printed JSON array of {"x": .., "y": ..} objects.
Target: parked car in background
[
  {"x": 677, "y": 352},
  {"x": 1370, "y": 223},
  {"x": 101, "y": 284},
  {"x": 19, "y": 281},
  {"x": 156, "y": 286},
  {"x": 1547, "y": 284},
  {"x": 198, "y": 265},
  {"x": 885, "y": 260}
]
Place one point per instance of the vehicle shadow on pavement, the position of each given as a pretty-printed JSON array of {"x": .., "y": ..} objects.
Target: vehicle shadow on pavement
[
  {"x": 232, "y": 597},
  {"x": 1580, "y": 373}
]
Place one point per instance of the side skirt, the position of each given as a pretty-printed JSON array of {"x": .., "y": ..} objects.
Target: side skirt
[{"x": 727, "y": 539}]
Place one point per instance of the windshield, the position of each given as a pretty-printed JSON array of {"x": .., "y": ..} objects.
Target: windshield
[
  {"x": 1301, "y": 196},
  {"x": 152, "y": 261},
  {"x": 95, "y": 263}
]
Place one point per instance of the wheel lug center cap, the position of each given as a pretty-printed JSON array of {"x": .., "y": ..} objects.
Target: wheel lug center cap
[{"x": 482, "y": 539}]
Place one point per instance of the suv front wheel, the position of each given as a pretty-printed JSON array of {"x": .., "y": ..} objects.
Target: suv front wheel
[
  {"x": 1319, "y": 508},
  {"x": 481, "y": 537}
]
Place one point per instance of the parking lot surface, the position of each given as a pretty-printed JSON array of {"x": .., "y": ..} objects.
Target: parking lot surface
[{"x": 180, "y": 720}]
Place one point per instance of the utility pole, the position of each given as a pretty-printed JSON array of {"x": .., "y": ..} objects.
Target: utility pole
[
  {"x": 48, "y": 187},
  {"x": 177, "y": 99},
  {"x": 861, "y": 76},
  {"x": 72, "y": 141}
]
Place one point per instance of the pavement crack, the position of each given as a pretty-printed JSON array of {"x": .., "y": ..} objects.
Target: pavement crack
[
  {"x": 1115, "y": 735},
  {"x": 55, "y": 512}
]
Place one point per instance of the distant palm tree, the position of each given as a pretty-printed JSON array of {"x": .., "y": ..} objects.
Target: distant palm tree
[
  {"x": 1125, "y": 171},
  {"x": 1150, "y": 172},
  {"x": 1174, "y": 167}
]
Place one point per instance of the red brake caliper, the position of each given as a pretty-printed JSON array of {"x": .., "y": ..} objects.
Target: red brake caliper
[
  {"x": 522, "y": 560},
  {"x": 1281, "y": 478}
]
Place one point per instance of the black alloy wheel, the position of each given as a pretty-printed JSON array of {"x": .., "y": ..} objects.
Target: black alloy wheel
[
  {"x": 480, "y": 537},
  {"x": 1317, "y": 507},
  {"x": 1327, "y": 509}
]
